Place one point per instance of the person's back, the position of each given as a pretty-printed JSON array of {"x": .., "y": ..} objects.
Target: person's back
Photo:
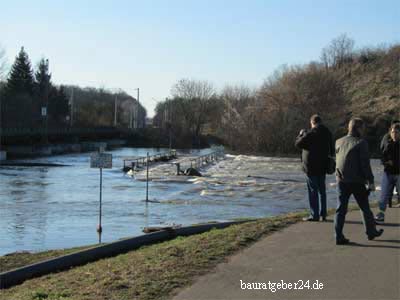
[
  {"x": 352, "y": 160},
  {"x": 353, "y": 172}
]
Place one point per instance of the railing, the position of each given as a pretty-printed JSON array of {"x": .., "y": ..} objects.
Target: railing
[
  {"x": 138, "y": 162},
  {"x": 206, "y": 159}
]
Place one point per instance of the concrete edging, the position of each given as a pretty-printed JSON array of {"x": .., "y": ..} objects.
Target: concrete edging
[{"x": 19, "y": 275}]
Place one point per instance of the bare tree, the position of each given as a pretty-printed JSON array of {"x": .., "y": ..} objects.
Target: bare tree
[
  {"x": 195, "y": 99},
  {"x": 3, "y": 64},
  {"x": 338, "y": 52}
]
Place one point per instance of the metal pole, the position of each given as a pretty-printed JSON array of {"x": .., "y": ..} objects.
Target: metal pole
[
  {"x": 72, "y": 107},
  {"x": 100, "y": 229},
  {"x": 115, "y": 111},
  {"x": 147, "y": 178},
  {"x": 137, "y": 108}
]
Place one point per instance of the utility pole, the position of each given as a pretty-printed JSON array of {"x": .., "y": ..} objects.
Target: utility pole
[
  {"x": 72, "y": 107},
  {"x": 115, "y": 110},
  {"x": 137, "y": 109},
  {"x": 135, "y": 112}
]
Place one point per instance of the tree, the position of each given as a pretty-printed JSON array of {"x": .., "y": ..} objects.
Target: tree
[
  {"x": 21, "y": 75},
  {"x": 43, "y": 77},
  {"x": 338, "y": 52},
  {"x": 58, "y": 107},
  {"x": 239, "y": 117},
  {"x": 3, "y": 64},
  {"x": 195, "y": 100},
  {"x": 295, "y": 93},
  {"x": 42, "y": 91},
  {"x": 19, "y": 93}
]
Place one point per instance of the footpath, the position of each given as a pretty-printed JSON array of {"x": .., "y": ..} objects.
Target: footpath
[{"x": 306, "y": 252}]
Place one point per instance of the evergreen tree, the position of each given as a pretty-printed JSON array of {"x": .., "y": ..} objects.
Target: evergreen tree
[
  {"x": 43, "y": 77},
  {"x": 58, "y": 106},
  {"x": 21, "y": 75},
  {"x": 19, "y": 93}
]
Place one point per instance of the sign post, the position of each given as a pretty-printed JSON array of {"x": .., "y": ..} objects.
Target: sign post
[
  {"x": 147, "y": 177},
  {"x": 100, "y": 160}
]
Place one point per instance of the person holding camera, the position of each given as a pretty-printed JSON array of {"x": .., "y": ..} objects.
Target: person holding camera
[{"x": 317, "y": 146}]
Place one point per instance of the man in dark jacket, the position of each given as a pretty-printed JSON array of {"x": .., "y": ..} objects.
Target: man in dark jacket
[
  {"x": 317, "y": 146},
  {"x": 391, "y": 173},
  {"x": 384, "y": 145},
  {"x": 353, "y": 173}
]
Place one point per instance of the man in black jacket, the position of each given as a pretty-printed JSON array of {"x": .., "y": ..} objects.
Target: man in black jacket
[
  {"x": 317, "y": 146},
  {"x": 353, "y": 173},
  {"x": 391, "y": 174},
  {"x": 384, "y": 145}
]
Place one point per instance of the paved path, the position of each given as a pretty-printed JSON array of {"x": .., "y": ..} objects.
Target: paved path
[{"x": 306, "y": 251}]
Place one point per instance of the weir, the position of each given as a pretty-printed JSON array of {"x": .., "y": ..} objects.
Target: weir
[
  {"x": 206, "y": 159},
  {"x": 129, "y": 163}
]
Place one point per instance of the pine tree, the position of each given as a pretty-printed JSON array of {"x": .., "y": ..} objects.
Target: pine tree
[
  {"x": 19, "y": 93},
  {"x": 43, "y": 77},
  {"x": 58, "y": 106},
  {"x": 21, "y": 75}
]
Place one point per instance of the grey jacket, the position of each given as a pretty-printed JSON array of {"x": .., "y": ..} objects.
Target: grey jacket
[{"x": 352, "y": 160}]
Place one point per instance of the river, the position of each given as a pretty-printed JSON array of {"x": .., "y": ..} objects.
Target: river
[{"x": 57, "y": 207}]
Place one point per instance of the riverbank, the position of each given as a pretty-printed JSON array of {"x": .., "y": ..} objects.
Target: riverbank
[{"x": 151, "y": 272}]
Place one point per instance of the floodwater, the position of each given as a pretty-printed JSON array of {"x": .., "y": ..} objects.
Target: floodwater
[{"x": 58, "y": 207}]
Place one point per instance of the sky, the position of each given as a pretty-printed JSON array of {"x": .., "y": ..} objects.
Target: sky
[{"x": 151, "y": 44}]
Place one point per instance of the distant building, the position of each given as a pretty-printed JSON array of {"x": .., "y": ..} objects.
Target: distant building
[{"x": 149, "y": 122}]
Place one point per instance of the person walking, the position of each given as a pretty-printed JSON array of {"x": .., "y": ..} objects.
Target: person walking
[
  {"x": 354, "y": 175},
  {"x": 391, "y": 173},
  {"x": 316, "y": 145},
  {"x": 384, "y": 143}
]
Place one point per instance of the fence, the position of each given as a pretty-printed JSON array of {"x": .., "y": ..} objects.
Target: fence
[{"x": 206, "y": 159}]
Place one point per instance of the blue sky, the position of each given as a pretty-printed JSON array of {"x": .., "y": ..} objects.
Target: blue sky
[{"x": 153, "y": 44}]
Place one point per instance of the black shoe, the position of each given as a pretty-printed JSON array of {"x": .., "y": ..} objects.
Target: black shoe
[
  {"x": 375, "y": 234},
  {"x": 342, "y": 241},
  {"x": 323, "y": 219},
  {"x": 310, "y": 219}
]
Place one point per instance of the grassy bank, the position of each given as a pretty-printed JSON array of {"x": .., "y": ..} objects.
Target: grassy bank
[
  {"x": 151, "y": 272},
  {"x": 20, "y": 259}
]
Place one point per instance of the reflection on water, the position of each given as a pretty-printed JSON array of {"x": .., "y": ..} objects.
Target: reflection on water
[{"x": 47, "y": 208}]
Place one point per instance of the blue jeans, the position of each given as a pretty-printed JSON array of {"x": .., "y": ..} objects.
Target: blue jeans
[
  {"x": 316, "y": 193},
  {"x": 360, "y": 193},
  {"x": 389, "y": 181}
]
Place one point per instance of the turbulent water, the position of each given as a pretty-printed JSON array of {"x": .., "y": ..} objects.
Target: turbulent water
[{"x": 57, "y": 207}]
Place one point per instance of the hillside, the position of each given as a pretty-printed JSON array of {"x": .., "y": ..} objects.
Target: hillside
[{"x": 371, "y": 85}]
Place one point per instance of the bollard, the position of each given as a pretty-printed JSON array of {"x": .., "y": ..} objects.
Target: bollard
[{"x": 178, "y": 168}]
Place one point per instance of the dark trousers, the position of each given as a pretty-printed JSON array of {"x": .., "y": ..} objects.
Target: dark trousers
[
  {"x": 360, "y": 193},
  {"x": 316, "y": 194}
]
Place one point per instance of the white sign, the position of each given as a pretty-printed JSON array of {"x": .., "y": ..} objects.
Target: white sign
[
  {"x": 101, "y": 160},
  {"x": 44, "y": 111}
]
